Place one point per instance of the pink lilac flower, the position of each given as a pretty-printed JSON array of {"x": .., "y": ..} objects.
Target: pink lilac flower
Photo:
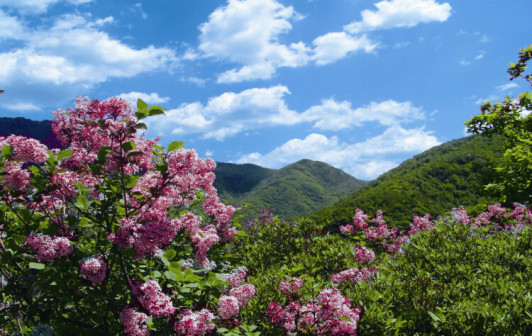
[
  {"x": 290, "y": 288},
  {"x": 94, "y": 269},
  {"x": 228, "y": 306},
  {"x": 283, "y": 317},
  {"x": 243, "y": 293},
  {"x": 202, "y": 241},
  {"x": 363, "y": 255},
  {"x": 346, "y": 229},
  {"x": 460, "y": 215},
  {"x": 360, "y": 219},
  {"x": 237, "y": 276},
  {"x": 195, "y": 324},
  {"x": 27, "y": 149},
  {"x": 420, "y": 224},
  {"x": 154, "y": 300},
  {"x": 134, "y": 323},
  {"x": 49, "y": 248},
  {"x": 353, "y": 275}
]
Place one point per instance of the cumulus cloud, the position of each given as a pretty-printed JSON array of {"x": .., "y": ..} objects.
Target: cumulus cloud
[
  {"x": 506, "y": 87},
  {"x": 333, "y": 115},
  {"x": 23, "y": 107},
  {"x": 331, "y": 47},
  {"x": 151, "y": 98},
  {"x": 11, "y": 27},
  {"x": 232, "y": 113},
  {"x": 70, "y": 56},
  {"x": 366, "y": 159},
  {"x": 400, "y": 13},
  {"x": 247, "y": 32},
  {"x": 36, "y": 6}
]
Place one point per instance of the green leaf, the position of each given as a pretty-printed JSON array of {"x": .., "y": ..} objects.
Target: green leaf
[
  {"x": 19, "y": 238},
  {"x": 141, "y": 105},
  {"x": 131, "y": 181},
  {"x": 434, "y": 317},
  {"x": 35, "y": 265},
  {"x": 7, "y": 151},
  {"x": 141, "y": 126},
  {"x": 175, "y": 145},
  {"x": 128, "y": 146},
  {"x": 82, "y": 201},
  {"x": 103, "y": 153},
  {"x": 64, "y": 154}
]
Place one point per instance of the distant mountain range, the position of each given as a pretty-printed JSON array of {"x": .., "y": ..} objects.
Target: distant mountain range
[
  {"x": 434, "y": 182},
  {"x": 295, "y": 190}
]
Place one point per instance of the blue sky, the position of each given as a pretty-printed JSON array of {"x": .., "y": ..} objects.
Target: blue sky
[{"x": 359, "y": 84}]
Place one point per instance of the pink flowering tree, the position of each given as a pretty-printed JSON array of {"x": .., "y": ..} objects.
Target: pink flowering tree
[{"x": 114, "y": 234}]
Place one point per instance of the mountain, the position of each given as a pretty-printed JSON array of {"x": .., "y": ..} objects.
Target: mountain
[
  {"x": 40, "y": 130},
  {"x": 435, "y": 181},
  {"x": 295, "y": 190}
]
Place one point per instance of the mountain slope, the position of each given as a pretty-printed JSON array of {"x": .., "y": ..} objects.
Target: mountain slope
[
  {"x": 40, "y": 130},
  {"x": 434, "y": 182},
  {"x": 295, "y": 190}
]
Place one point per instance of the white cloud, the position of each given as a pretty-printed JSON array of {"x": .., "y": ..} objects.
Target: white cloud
[
  {"x": 11, "y": 27},
  {"x": 232, "y": 113},
  {"x": 506, "y": 87},
  {"x": 229, "y": 114},
  {"x": 37, "y": 6},
  {"x": 334, "y": 46},
  {"x": 24, "y": 107},
  {"x": 333, "y": 115},
  {"x": 151, "y": 98},
  {"x": 247, "y": 32},
  {"x": 400, "y": 13},
  {"x": 366, "y": 159},
  {"x": 73, "y": 52}
]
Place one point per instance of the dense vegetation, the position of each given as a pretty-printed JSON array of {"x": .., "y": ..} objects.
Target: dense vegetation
[
  {"x": 432, "y": 182},
  {"x": 295, "y": 190},
  {"x": 129, "y": 226}
]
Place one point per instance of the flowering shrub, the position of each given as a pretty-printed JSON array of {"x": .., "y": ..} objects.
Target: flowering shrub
[{"x": 114, "y": 233}]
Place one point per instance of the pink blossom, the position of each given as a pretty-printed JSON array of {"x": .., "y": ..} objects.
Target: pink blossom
[
  {"x": 154, "y": 300},
  {"x": 49, "y": 248},
  {"x": 195, "y": 324},
  {"x": 94, "y": 269},
  {"x": 420, "y": 224},
  {"x": 202, "y": 241},
  {"x": 243, "y": 293},
  {"x": 26, "y": 149},
  {"x": 347, "y": 229},
  {"x": 134, "y": 323},
  {"x": 360, "y": 219},
  {"x": 237, "y": 276},
  {"x": 228, "y": 306},
  {"x": 460, "y": 215},
  {"x": 290, "y": 288},
  {"x": 353, "y": 275},
  {"x": 363, "y": 255}
]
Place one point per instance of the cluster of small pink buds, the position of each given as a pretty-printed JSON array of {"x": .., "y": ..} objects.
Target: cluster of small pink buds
[
  {"x": 228, "y": 306},
  {"x": 353, "y": 275},
  {"x": 237, "y": 275},
  {"x": 363, "y": 255},
  {"x": 243, "y": 293},
  {"x": 134, "y": 323},
  {"x": 154, "y": 300},
  {"x": 330, "y": 313},
  {"x": 195, "y": 324},
  {"x": 94, "y": 269},
  {"x": 49, "y": 248},
  {"x": 290, "y": 288}
]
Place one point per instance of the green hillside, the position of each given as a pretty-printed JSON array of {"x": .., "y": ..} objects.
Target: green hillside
[
  {"x": 295, "y": 190},
  {"x": 434, "y": 182}
]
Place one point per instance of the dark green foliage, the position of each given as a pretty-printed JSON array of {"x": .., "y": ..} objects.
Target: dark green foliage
[
  {"x": 433, "y": 182},
  {"x": 235, "y": 180},
  {"x": 40, "y": 130},
  {"x": 454, "y": 280},
  {"x": 511, "y": 119},
  {"x": 295, "y": 190}
]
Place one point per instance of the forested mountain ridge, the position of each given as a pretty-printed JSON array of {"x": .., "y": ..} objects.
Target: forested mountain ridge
[
  {"x": 435, "y": 181},
  {"x": 295, "y": 190}
]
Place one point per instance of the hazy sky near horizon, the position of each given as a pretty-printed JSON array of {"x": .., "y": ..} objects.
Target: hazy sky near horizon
[{"x": 359, "y": 84}]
